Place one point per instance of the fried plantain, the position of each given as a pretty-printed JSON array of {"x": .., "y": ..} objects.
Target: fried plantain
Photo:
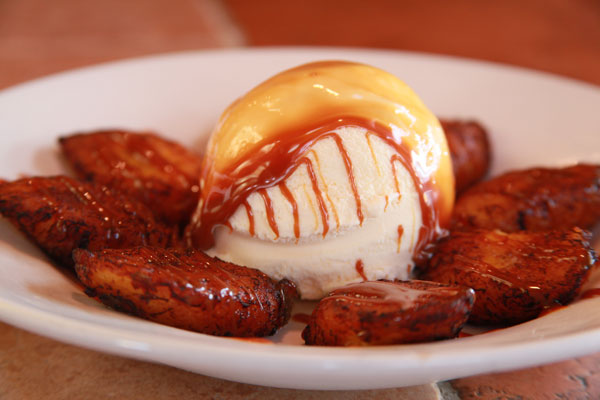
[
  {"x": 515, "y": 275},
  {"x": 470, "y": 151},
  {"x": 385, "y": 312},
  {"x": 160, "y": 173},
  {"x": 533, "y": 199},
  {"x": 60, "y": 214},
  {"x": 186, "y": 289}
]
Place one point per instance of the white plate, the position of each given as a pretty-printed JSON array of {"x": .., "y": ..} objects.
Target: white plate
[{"x": 534, "y": 119}]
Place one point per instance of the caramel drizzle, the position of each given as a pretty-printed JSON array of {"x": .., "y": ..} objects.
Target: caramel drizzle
[
  {"x": 393, "y": 160},
  {"x": 426, "y": 232},
  {"x": 400, "y": 233},
  {"x": 335, "y": 214},
  {"x": 373, "y": 153},
  {"x": 360, "y": 268},
  {"x": 275, "y": 159},
  {"x": 270, "y": 212},
  {"x": 285, "y": 191},
  {"x": 318, "y": 194},
  {"x": 348, "y": 165},
  {"x": 250, "y": 217},
  {"x": 388, "y": 293},
  {"x": 311, "y": 205}
]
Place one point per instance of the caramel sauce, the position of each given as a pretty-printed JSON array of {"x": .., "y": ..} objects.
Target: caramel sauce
[
  {"x": 387, "y": 293},
  {"x": 311, "y": 205},
  {"x": 513, "y": 280},
  {"x": 424, "y": 240},
  {"x": 350, "y": 172},
  {"x": 277, "y": 158},
  {"x": 590, "y": 293},
  {"x": 301, "y": 317},
  {"x": 139, "y": 146},
  {"x": 253, "y": 339},
  {"x": 360, "y": 268},
  {"x": 250, "y": 217},
  {"x": 88, "y": 199},
  {"x": 393, "y": 160},
  {"x": 285, "y": 191},
  {"x": 318, "y": 194},
  {"x": 462, "y": 334},
  {"x": 270, "y": 212},
  {"x": 400, "y": 233},
  {"x": 333, "y": 208},
  {"x": 373, "y": 155}
]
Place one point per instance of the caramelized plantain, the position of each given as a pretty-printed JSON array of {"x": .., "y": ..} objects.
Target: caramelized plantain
[
  {"x": 384, "y": 312},
  {"x": 533, "y": 199},
  {"x": 470, "y": 151},
  {"x": 186, "y": 289},
  {"x": 160, "y": 173},
  {"x": 515, "y": 275},
  {"x": 60, "y": 214}
]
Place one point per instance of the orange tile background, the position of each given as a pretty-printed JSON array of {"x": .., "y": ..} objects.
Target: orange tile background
[
  {"x": 39, "y": 37},
  {"x": 552, "y": 35}
]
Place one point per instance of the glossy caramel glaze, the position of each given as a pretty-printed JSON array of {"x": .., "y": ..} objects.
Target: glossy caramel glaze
[
  {"x": 60, "y": 214},
  {"x": 262, "y": 138},
  {"x": 360, "y": 269},
  {"x": 187, "y": 289},
  {"x": 384, "y": 312},
  {"x": 533, "y": 199},
  {"x": 470, "y": 151},
  {"x": 301, "y": 318},
  {"x": 590, "y": 294},
  {"x": 515, "y": 275},
  {"x": 294, "y": 204},
  {"x": 158, "y": 172}
]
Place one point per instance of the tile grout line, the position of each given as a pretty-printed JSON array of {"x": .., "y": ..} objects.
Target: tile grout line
[{"x": 218, "y": 18}]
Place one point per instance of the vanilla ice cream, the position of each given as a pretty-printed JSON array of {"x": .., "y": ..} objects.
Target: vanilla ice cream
[{"x": 326, "y": 174}]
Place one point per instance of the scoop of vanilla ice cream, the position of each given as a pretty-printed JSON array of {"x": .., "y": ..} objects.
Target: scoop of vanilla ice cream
[
  {"x": 388, "y": 198},
  {"x": 325, "y": 174}
]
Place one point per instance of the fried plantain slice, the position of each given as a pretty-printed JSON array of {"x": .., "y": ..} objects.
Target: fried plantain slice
[
  {"x": 60, "y": 214},
  {"x": 515, "y": 275},
  {"x": 470, "y": 151},
  {"x": 186, "y": 289},
  {"x": 158, "y": 172},
  {"x": 533, "y": 199},
  {"x": 385, "y": 312}
]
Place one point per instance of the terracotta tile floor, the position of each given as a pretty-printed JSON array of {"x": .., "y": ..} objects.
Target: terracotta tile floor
[{"x": 39, "y": 37}]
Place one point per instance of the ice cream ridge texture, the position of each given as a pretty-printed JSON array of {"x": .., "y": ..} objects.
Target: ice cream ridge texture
[{"x": 326, "y": 174}]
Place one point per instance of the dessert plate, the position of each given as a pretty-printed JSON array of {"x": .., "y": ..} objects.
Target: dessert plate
[{"x": 534, "y": 119}]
